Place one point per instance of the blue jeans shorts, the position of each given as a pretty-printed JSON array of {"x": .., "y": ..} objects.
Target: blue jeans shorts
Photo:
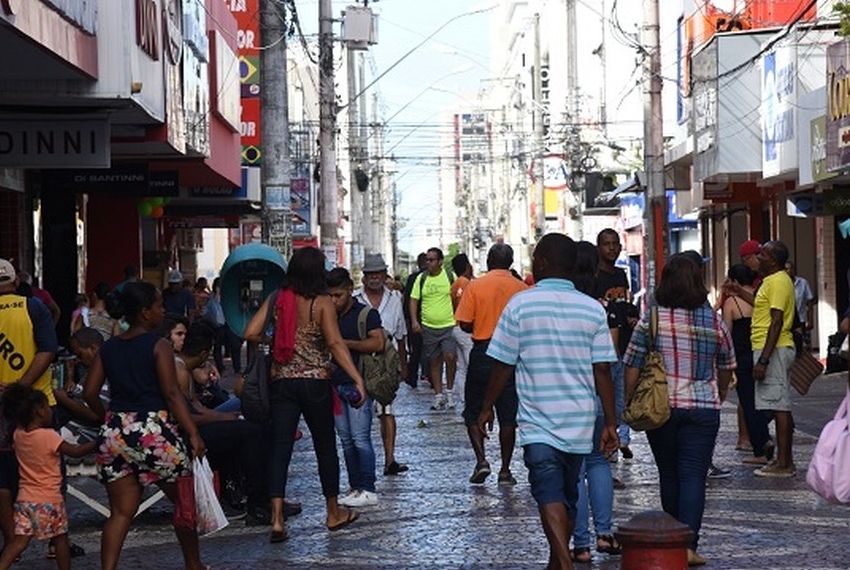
[{"x": 553, "y": 475}]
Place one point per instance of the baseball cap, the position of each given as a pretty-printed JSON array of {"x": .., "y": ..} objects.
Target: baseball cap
[
  {"x": 7, "y": 271},
  {"x": 749, "y": 247},
  {"x": 175, "y": 277}
]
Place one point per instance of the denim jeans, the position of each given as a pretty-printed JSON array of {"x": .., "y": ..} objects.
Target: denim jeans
[
  {"x": 595, "y": 492},
  {"x": 232, "y": 404},
  {"x": 682, "y": 449},
  {"x": 618, "y": 375},
  {"x": 354, "y": 428},
  {"x": 756, "y": 420}
]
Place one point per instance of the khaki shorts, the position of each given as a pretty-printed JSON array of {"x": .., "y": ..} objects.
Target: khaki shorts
[{"x": 774, "y": 392}]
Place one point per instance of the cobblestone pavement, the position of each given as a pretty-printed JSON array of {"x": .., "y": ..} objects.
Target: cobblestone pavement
[{"x": 430, "y": 517}]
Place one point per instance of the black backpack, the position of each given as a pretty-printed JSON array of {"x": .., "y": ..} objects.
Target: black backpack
[{"x": 255, "y": 392}]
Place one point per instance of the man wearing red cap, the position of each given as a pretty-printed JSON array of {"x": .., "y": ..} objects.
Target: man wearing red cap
[{"x": 749, "y": 251}]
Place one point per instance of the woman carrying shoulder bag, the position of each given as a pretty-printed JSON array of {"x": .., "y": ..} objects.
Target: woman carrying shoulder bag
[
  {"x": 306, "y": 336},
  {"x": 699, "y": 359}
]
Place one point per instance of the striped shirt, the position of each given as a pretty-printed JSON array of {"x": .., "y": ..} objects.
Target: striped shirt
[
  {"x": 692, "y": 343},
  {"x": 553, "y": 335}
]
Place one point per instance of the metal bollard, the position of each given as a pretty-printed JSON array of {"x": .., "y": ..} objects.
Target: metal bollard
[{"x": 654, "y": 541}]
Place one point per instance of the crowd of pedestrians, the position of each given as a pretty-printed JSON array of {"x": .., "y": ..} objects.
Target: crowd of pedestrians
[{"x": 553, "y": 364}]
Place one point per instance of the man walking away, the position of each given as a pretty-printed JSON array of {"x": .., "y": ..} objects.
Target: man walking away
[
  {"x": 804, "y": 303},
  {"x": 557, "y": 340},
  {"x": 773, "y": 352},
  {"x": 414, "y": 339},
  {"x": 431, "y": 315},
  {"x": 612, "y": 290},
  {"x": 478, "y": 313},
  {"x": 463, "y": 270},
  {"x": 378, "y": 296},
  {"x": 176, "y": 299},
  {"x": 28, "y": 338}
]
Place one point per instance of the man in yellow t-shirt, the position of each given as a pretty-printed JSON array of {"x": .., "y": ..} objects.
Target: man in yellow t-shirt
[
  {"x": 773, "y": 352},
  {"x": 432, "y": 315}
]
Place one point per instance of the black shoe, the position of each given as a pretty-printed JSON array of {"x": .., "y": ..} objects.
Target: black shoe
[
  {"x": 258, "y": 516},
  {"x": 626, "y": 452},
  {"x": 395, "y": 468},
  {"x": 480, "y": 474},
  {"x": 291, "y": 509},
  {"x": 233, "y": 513}
]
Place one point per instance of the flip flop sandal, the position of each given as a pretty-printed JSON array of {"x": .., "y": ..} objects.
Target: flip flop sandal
[
  {"x": 607, "y": 544},
  {"x": 581, "y": 555},
  {"x": 352, "y": 516},
  {"x": 278, "y": 536}
]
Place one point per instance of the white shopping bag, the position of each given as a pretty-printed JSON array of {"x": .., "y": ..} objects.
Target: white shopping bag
[{"x": 209, "y": 516}]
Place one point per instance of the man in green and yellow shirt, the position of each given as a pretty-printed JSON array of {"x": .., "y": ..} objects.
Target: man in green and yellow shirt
[{"x": 432, "y": 315}]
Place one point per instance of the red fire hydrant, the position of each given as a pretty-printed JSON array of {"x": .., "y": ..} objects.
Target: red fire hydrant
[{"x": 654, "y": 541}]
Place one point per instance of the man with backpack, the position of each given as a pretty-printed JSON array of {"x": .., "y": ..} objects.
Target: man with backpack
[
  {"x": 354, "y": 424},
  {"x": 376, "y": 295},
  {"x": 414, "y": 339},
  {"x": 432, "y": 315}
]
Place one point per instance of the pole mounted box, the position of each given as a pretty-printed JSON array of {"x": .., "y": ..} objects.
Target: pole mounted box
[{"x": 359, "y": 27}]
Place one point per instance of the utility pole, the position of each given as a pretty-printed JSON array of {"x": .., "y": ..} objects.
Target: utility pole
[
  {"x": 356, "y": 218},
  {"x": 276, "y": 169},
  {"x": 379, "y": 190},
  {"x": 367, "y": 219},
  {"x": 574, "y": 142},
  {"x": 656, "y": 248},
  {"x": 329, "y": 195},
  {"x": 537, "y": 153}
]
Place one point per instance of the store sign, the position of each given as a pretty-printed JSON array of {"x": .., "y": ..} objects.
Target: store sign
[
  {"x": 250, "y": 131},
  {"x": 817, "y": 135},
  {"x": 128, "y": 180},
  {"x": 147, "y": 28},
  {"x": 83, "y": 14},
  {"x": 838, "y": 106},
  {"x": 54, "y": 143},
  {"x": 227, "y": 105},
  {"x": 632, "y": 206},
  {"x": 778, "y": 107},
  {"x": 172, "y": 27},
  {"x": 299, "y": 194},
  {"x": 704, "y": 115},
  {"x": 544, "y": 102}
]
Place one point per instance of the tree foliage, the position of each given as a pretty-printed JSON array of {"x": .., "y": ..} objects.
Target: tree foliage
[{"x": 842, "y": 10}]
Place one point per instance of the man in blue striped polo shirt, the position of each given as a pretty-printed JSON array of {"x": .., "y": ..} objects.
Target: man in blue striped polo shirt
[{"x": 557, "y": 341}]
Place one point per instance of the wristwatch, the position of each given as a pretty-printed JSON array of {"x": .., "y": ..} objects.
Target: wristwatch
[{"x": 763, "y": 361}]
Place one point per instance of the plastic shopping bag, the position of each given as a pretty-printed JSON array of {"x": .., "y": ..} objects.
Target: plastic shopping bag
[
  {"x": 829, "y": 470},
  {"x": 209, "y": 516}
]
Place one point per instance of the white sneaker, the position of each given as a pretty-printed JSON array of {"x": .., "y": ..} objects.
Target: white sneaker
[
  {"x": 363, "y": 499},
  {"x": 347, "y": 499},
  {"x": 439, "y": 403},
  {"x": 450, "y": 401}
]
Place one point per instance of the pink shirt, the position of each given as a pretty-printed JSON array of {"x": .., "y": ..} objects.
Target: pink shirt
[{"x": 38, "y": 462}]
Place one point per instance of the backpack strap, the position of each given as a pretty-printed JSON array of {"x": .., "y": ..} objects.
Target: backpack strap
[
  {"x": 653, "y": 327},
  {"x": 361, "y": 322},
  {"x": 271, "y": 317},
  {"x": 422, "y": 277}
]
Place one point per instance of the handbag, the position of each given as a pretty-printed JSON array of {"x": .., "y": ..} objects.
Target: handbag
[
  {"x": 649, "y": 406},
  {"x": 255, "y": 392},
  {"x": 804, "y": 371},
  {"x": 184, "y": 507},
  {"x": 829, "y": 470}
]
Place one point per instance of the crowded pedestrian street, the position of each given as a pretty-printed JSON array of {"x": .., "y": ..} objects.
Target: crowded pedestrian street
[{"x": 431, "y": 517}]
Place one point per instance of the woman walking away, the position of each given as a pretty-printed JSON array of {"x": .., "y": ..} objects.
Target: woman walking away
[
  {"x": 305, "y": 336},
  {"x": 138, "y": 443},
  {"x": 40, "y": 507},
  {"x": 699, "y": 359},
  {"x": 595, "y": 482},
  {"x": 737, "y": 314}
]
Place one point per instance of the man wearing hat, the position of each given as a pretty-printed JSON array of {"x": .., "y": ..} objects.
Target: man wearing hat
[
  {"x": 388, "y": 303},
  {"x": 749, "y": 252},
  {"x": 175, "y": 298},
  {"x": 27, "y": 347}
]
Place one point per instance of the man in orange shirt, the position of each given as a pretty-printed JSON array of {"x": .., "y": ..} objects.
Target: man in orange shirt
[
  {"x": 478, "y": 313},
  {"x": 463, "y": 270}
]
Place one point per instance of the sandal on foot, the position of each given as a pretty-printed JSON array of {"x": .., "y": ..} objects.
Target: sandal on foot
[
  {"x": 581, "y": 555},
  {"x": 607, "y": 544},
  {"x": 278, "y": 536},
  {"x": 480, "y": 474},
  {"x": 350, "y": 518}
]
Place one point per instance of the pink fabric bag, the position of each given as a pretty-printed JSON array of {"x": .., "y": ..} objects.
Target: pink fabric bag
[{"x": 829, "y": 471}]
